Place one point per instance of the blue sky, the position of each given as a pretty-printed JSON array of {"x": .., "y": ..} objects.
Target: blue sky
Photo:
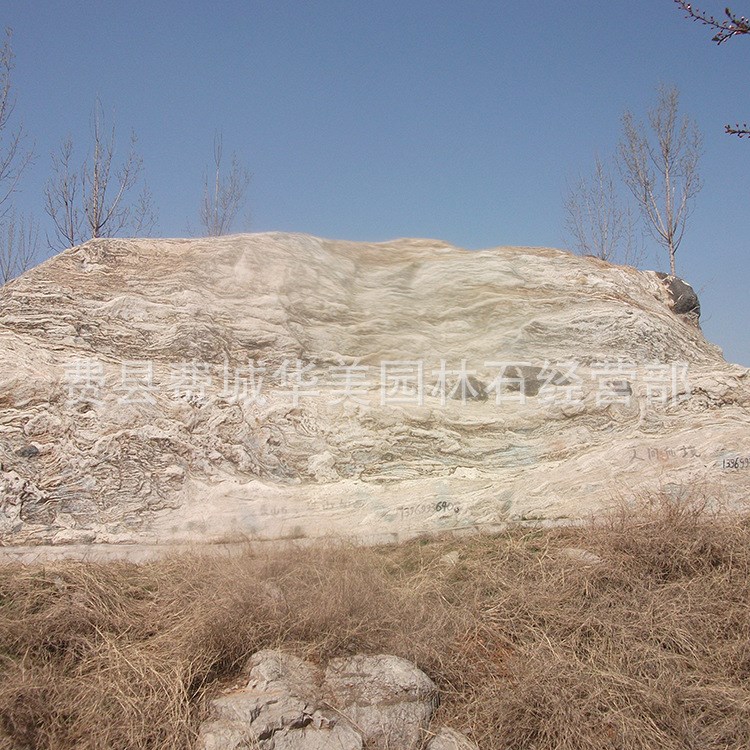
[{"x": 461, "y": 121}]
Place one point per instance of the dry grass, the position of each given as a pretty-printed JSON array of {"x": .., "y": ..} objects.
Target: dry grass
[{"x": 532, "y": 648}]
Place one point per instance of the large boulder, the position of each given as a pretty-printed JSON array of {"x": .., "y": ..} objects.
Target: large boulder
[
  {"x": 379, "y": 701},
  {"x": 158, "y": 392}
]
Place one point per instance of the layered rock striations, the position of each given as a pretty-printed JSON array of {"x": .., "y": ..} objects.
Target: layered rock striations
[{"x": 280, "y": 385}]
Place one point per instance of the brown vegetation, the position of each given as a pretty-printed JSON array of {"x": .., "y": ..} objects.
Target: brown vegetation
[{"x": 533, "y": 643}]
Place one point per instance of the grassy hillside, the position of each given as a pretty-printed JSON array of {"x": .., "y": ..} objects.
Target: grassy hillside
[{"x": 629, "y": 632}]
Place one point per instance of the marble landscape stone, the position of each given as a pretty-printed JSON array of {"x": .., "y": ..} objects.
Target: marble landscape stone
[{"x": 280, "y": 386}]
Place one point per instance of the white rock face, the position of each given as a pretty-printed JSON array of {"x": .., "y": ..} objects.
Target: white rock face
[{"x": 130, "y": 412}]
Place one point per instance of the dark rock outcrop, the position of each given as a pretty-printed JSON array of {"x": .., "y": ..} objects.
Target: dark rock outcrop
[{"x": 684, "y": 300}]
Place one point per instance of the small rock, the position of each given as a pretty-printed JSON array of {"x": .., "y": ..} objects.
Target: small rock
[
  {"x": 450, "y": 558},
  {"x": 450, "y": 739},
  {"x": 28, "y": 451},
  {"x": 581, "y": 555}
]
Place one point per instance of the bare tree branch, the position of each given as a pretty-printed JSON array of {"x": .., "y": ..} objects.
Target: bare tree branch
[
  {"x": 660, "y": 168},
  {"x": 732, "y": 25},
  {"x": 223, "y": 199},
  {"x": 18, "y": 236},
  {"x": 61, "y": 199},
  {"x": 102, "y": 191},
  {"x": 97, "y": 196},
  {"x": 596, "y": 220},
  {"x": 13, "y": 157},
  {"x": 144, "y": 217},
  {"x": 742, "y": 131},
  {"x": 19, "y": 242}
]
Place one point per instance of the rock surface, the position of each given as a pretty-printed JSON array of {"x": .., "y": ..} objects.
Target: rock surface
[
  {"x": 388, "y": 699},
  {"x": 684, "y": 301},
  {"x": 409, "y": 386},
  {"x": 381, "y": 701},
  {"x": 450, "y": 739}
]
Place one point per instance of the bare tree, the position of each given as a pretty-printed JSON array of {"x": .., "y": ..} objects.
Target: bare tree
[
  {"x": 730, "y": 26},
  {"x": 660, "y": 167},
  {"x": 19, "y": 240},
  {"x": 597, "y": 221},
  {"x": 13, "y": 157},
  {"x": 224, "y": 197},
  {"x": 96, "y": 200},
  {"x": 61, "y": 198}
]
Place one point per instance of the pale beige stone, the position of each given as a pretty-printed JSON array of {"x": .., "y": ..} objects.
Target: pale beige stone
[{"x": 200, "y": 467}]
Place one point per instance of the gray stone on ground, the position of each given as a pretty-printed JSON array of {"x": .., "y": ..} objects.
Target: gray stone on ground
[
  {"x": 581, "y": 555},
  {"x": 450, "y": 739},
  {"x": 387, "y": 698},
  {"x": 279, "y": 699},
  {"x": 382, "y": 702}
]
